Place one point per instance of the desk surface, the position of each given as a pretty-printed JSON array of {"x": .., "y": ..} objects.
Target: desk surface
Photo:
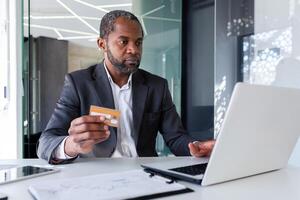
[{"x": 281, "y": 184}]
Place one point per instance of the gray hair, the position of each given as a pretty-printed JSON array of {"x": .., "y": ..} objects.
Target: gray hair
[{"x": 107, "y": 24}]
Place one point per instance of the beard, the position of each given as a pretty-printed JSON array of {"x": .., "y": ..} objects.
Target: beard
[{"x": 127, "y": 66}]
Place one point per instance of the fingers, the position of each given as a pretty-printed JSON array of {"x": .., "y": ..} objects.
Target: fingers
[
  {"x": 208, "y": 146},
  {"x": 85, "y": 127},
  {"x": 91, "y": 135},
  {"x": 87, "y": 145},
  {"x": 85, "y": 132},
  {"x": 87, "y": 119},
  {"x": 195, "y": 150},
  {"x": 199, "y": 149},
  {"x": 79, "y": 144}
]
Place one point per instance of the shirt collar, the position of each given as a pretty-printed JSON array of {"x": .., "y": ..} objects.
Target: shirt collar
[{"x": 127, "y": 85}]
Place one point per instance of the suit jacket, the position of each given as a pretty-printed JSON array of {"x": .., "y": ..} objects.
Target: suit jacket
[{"x": 152, "y": 109}]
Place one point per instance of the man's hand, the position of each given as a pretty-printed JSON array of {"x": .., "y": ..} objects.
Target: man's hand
[
  {"x": 200, "y": 149},
  {"x": 84, "y": 133}
]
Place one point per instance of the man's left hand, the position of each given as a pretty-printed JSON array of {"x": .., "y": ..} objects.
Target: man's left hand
[{"x": 201, "y": 149}]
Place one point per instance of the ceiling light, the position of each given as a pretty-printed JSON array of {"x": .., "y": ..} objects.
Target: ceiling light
[
  {"x": 77, "y": 16},
  {"x": 78, "y": 37},
  {"x": 58, "y": 33},
  {"x": 61, "y": 17},
  {"x": 154, "y": 10},
  {"x": 162, "y": 18},
  {"x": 92, "y": 6},
  {"x": 58, "y": 29},
  {"x": 115, "y": 5}
]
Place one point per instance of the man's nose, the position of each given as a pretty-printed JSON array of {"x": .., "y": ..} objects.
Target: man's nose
[{"x": 132, "y": 48}]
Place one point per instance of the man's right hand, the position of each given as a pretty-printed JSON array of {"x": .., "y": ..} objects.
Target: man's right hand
[{"x": 84, "y": 133}]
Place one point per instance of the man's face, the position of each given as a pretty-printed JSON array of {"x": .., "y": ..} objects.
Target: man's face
[{"x": 124, "y": 45}]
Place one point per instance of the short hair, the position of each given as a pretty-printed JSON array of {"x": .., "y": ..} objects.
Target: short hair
[{"x": 108, "y": 21}]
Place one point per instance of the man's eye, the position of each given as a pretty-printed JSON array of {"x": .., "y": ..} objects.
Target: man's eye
[
  {"x": 139, "y": 43},
  {"x": 123, "y": 42}
]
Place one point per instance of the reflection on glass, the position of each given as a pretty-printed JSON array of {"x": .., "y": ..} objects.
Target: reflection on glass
[
  {"x": 220, "y": 103},
  {"x": 240, "y": 17},
  {"x": 262, "y": 53},
  {"x": 161, "y": 22}
]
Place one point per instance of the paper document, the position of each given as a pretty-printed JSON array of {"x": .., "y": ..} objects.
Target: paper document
[{"x": 120, "y": 185}]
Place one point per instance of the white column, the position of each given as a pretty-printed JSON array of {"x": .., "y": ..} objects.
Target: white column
[{"x": 11, "y": 117}]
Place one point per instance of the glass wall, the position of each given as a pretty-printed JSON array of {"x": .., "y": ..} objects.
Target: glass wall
[
  {"x": 76, "y": 24},
  {"x": 234, "y": 20},
  {"x": 161, "y": 22},
  {"x": 256, "y": 42},
  {"x": 271, "y": 56}
]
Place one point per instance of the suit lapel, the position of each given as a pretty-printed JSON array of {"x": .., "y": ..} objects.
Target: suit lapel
[
  {"x": 104, "y": 90},
  {"x": 103, "y": 87},
  {"x": 139, "y": 96}
]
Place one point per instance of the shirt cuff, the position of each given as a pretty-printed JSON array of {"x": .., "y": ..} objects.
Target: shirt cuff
[{"x": 59, "y": 152}]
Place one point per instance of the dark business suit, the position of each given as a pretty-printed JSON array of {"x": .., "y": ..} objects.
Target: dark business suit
[{"x": 152, "y": 110}]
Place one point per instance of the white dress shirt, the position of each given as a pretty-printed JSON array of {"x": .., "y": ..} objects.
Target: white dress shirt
[{"x": 123, "y": 102}]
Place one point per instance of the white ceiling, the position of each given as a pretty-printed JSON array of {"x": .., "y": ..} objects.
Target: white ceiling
[
  {"x": 78, "y": 20},
  {"x": 74, "y": 20}
]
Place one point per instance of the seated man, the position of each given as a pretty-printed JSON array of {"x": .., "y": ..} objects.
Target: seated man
[{"x": 143, "y": 99}]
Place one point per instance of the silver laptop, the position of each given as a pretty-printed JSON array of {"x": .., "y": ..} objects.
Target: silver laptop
[{"x": 259, "y": 132}]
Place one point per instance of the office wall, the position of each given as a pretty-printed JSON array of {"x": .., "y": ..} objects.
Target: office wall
[{"x": 80, "y": 57}]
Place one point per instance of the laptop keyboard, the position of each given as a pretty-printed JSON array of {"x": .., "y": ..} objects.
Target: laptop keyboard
[{"x": 192, "y": 169}]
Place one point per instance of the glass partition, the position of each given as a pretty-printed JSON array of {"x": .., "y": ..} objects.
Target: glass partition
[
  {"x": 271, "y": 56},
  {"x": 256, "y": 42},
  {"x": 60, "y": 37},
  {"x": 161, "y": 22}
]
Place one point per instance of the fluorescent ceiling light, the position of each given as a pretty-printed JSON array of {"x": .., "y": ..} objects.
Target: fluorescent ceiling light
[
  {"x": 77, "y": 16},
  {"x": 115, "y": 5},
  {"x": 62, "y": 17},
  {"x": 58, "y": 33},
  {"x": 143, "y": 26},
  {"x": 92, "y": 6},
  {"x": 79, "y": 37},
  {"x": 148, "y": 13},
  {"x": 162, "y": 18},
  {"x": 58, "y": 29},
  {"x": 154, "y": 10},
  {"x": 93, "y": 40}
]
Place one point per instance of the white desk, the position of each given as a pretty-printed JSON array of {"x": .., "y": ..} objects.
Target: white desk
[{"x": 282, "y": 184}]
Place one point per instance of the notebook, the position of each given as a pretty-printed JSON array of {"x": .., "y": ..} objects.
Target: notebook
[
  {"x": 134, "y": 184},
  {"x": 259, "y": 132}
]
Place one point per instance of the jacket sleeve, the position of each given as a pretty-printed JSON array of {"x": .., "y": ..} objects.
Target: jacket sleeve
[
  {"x": 67, "y": 109},
  {"x": 171, "y": 127}
]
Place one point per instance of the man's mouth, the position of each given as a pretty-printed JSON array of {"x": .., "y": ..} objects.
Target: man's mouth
[{"x": 132, "y": 61}]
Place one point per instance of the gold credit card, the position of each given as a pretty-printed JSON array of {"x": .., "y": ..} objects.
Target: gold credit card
[{"x": 111, "y": 116}]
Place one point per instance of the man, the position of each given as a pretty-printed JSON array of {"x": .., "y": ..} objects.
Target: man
[{"x": 143, "y": 99}]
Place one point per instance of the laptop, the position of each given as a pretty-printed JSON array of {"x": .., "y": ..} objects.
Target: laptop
[{"x": 258, "y": 134}]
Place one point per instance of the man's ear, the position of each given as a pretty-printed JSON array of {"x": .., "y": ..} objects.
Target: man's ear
[{"x": 102, "y": 44}]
